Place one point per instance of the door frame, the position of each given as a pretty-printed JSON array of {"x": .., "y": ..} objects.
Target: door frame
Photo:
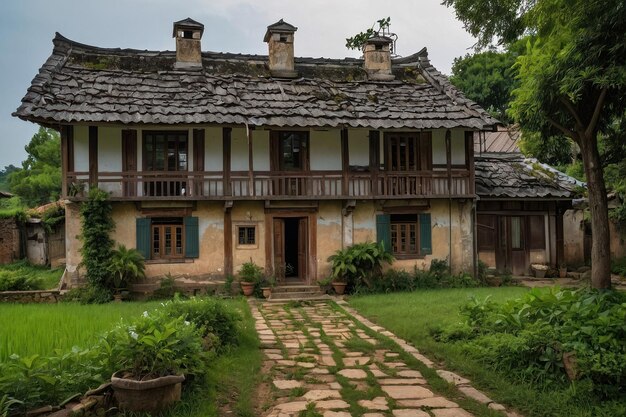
[{"x": 311, "y": 255}]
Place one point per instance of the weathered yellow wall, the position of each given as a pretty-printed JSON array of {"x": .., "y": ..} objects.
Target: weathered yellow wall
[
  {"x": 248, "y": 213},
  {"x": 573, "y": 237},
  {"x": 325, "y": 150},
  {"x": 72, "y": 242},
  {"x": 329, "y": 235}
]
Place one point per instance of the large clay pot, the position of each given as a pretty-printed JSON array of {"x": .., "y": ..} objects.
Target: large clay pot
[
  {"x": 152, "y": 396},
  {"x": 267, "y": 291},
  {"x": 247, "y": 288},
  {"x": 339, "y": 287}
]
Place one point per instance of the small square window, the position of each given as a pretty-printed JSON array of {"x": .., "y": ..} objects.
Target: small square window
[{"x": 247, "y": 235}]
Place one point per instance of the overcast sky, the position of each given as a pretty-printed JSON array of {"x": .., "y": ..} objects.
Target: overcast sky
[{"x": 27, "y": 28}]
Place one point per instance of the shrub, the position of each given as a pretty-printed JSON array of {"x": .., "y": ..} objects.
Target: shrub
[
  {"x": 211, "y": 315},
  {"x": 88, "y": 295},
  {"x": 618, "y": 266},
  {"x": 360, "y": 264},
  {"x": 10, "y": 281},
  {"x": 97, "y": 224},
  {"x": 250, "y": 272},
  {"x": 530, "y": 335},
  {"x": 126, "y": 266}
]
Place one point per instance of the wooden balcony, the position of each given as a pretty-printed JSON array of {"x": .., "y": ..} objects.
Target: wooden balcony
[{"x": 259, "y": 185}]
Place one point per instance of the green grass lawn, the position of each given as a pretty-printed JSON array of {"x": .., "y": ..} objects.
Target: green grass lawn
[
  {"x": 412, "y": 315},
  {"x": 29, "y": 329},
  {"x": 38, "y": 277},
  {"x": 41, "y": 328}
]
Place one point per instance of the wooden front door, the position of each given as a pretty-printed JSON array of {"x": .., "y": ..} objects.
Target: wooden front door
[
  {"x": 291, "y": 249},
  {"x": 511, "y": 249}
]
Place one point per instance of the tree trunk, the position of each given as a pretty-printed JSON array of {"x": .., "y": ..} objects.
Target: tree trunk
[{"x": 600, "y": 238}]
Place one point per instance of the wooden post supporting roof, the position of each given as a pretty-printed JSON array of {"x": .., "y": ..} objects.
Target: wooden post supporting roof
[
  {"x": 345, "y": 162},
  {"x": 67, "y": 156},
  {"x": 226, "y": 132},
  {"x": 374, "y": 159},
  {"x": 93, "y": 156}
]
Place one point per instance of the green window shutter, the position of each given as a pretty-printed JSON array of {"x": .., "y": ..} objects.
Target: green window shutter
[
  {"x": 426, "y": 240},
  {"x": 383, "y": 230},
  {"x": 143, "y": 237},
  {"x": 192, "y": 246}
]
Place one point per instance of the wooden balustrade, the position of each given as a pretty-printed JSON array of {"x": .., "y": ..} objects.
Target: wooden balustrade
[{"x": 273, "y": 185}]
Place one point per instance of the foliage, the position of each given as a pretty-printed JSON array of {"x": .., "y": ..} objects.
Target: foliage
[
  {"x": 97, "y": 224},
  {"x": 488, "y": 78},
  {"x": 88, "y": 294},
  {"x": 166, "y": 288},
  {"x": 529, "y": 336},
  {"x": 155, "y": 345},
  {"x": 555, "y": 150},
  {"x": 250, "y": 272},
  {"x": 4, "y": 177},
  {"x": 618, "y": 266},
  {"x": 572, "y": 81},
  {"x": 359, "y": 264},
  {"x": 39, "y": 179},
  {"x": 213, "y": 316},
  {"x": 126, "y": 266},
  {"x": 52, "y": 217},
  {"x": 22, "y": 276},
  {"x": 357, "y": 41}
]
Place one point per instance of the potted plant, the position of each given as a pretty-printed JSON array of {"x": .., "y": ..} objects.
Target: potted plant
[
  {"x": 540, "y": 270},
  {"x": 249, "y": 274},
  {"x": 153, "y": 355},
  {"x": 267, "y": 283},
  {"x": 562, "y": 271},
  {"x": 342, "y": 264},
  {"x": 325, "y": 284},
  {"x": 127, "y": 265}
]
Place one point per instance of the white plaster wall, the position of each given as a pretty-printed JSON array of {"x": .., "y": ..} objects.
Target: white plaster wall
[
  {"x": 457, "y": 147},
  {"x": 239, "y": 150},
  {"x": 110, "y": 158},
  {"x": 81, "y": 148},
  {"x": 213, "y": 154},
  {"x": 439, "y": 147},
  {"x": 359, "y": 147},
  {"x": 325, "y": 150},
  {"x": 261, "y": 150}
]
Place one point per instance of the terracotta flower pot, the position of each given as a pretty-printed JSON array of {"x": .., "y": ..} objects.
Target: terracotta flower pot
[
  {"x": 339, "y": 287},
  {"x": 247, "y": 288},
  {"x": 152, "y": 396},
  {"x": 562, "y": 272},
  {"x": 540, "y": 273},
  {"x": 267, "y": 291}
]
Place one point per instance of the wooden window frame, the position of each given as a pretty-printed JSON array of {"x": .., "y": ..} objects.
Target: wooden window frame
[
  {"x": 147, "y": 133},
  {"x": 161, "y": 224},
  {"x": 420, "y": 152},
  {"x": 276, "y": 150},
  {"x": 247, "y": 228},
  {"x": 396, "y": 222}
]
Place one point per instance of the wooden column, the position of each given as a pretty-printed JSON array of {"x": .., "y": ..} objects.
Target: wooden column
[
  {"x": 228, "y": 241},
  {"x": 345, "y": 162},
  {"x": 93, "y": 156},
  {"x": 129, "y": 162},
  {"x": 449, "y": 159},
  {"x": 469, "y": 160},
  {"x": 251, "y": 190},
  {"x": 374, "y": 159},
  {"x": 67, "y": 156},
  {"x": 226, "y": 132},
  {"x": 198, "y": 163}
]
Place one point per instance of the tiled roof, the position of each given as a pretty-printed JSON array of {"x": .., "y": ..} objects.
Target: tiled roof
[
  {"x": 515, "y": 176},
  {"x": 505, "y": 139},
  {"x": 81, "y": 83}
]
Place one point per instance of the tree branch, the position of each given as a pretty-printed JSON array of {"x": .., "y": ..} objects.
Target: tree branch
[
  {"x": 563, "y": 129},
  {"x": 572, "y": 110},
  {"x": 596, "y": 112}
]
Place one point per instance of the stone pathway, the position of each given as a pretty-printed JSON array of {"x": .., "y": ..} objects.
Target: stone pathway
[{"x": 319, "y": 361}]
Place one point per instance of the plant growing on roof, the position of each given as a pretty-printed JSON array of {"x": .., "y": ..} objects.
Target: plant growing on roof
[{"x": 358, "y": 40}]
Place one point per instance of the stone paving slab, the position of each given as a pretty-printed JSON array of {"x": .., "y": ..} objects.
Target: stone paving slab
[{"x": 302, "y": 346}]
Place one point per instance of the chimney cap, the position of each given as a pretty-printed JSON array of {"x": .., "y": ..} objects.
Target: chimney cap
[
  {"x": 379, "y": 40},
  {"x": 279, "y": 27},
  {"x": 188, "y": 23}
]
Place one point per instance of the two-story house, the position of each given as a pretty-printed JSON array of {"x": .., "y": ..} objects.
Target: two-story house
[{"x": 214, "y": 159}]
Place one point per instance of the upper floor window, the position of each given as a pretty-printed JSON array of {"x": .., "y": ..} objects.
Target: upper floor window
[
  {"x": 165, "y": 151},
  {"x": 290, "y": 151},
  {"x": 410, "y": 151}
]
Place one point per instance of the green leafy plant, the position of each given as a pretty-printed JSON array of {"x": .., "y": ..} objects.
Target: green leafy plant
[
  {"x": 126, "y": 266},
  {"x": 357, "y": 41},
  {"x": 359, "y": 264},
  {"x": 250, "y": 272},
  {"x": 97, "y": 224}
]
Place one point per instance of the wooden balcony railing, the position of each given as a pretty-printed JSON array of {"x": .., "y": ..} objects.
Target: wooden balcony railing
[{"x": 274, "y": 185}]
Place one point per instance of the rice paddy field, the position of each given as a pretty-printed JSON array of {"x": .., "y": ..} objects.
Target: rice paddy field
[{"x": 31, "y": 329}]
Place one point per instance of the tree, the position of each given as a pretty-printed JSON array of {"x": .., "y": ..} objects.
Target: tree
[
  {"x": 572, "y": 81},
  {"x": 39, "y": 179},
  {"x": 488, "y": 78}
]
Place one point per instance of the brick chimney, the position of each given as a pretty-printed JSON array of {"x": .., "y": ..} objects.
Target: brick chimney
[
  {"x": 279, "y": 38},
  {"x": 188, "y": 33},
  {"x": 377, "y": 56}
]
